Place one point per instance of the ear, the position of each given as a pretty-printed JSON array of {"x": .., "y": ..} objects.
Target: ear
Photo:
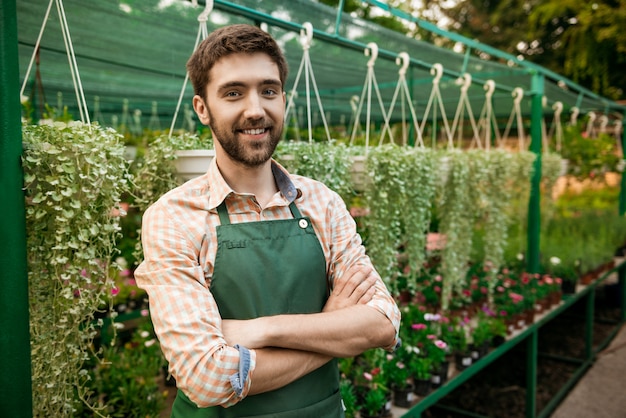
[{"x": 202, "y": 110}]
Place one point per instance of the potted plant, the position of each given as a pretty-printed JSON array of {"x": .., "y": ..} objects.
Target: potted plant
[
  {"x": 421, "y": 369},
  {"x": 398, "y": 377}
]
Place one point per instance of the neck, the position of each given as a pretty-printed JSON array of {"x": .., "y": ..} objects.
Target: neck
[{"x": 258, "y": 181}]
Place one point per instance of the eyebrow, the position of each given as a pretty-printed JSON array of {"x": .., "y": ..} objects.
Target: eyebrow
[{"x": 231, "y": 84}]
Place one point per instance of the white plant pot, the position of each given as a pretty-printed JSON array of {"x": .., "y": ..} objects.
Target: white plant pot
[
  {"x": 193, "y": 163},
  {"x": 360, "y": 177}
]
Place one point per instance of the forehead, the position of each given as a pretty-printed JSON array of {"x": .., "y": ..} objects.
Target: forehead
[{"x": 243, "y": 68}]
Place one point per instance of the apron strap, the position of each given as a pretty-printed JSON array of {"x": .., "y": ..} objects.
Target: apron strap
[
  {"x": 225, "y": 219},
  {"x": 223, "y": 212},
  {"x": 294, "y": 210}
]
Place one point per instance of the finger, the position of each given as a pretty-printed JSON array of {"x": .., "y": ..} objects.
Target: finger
[
  {"x": 346, "y": 284},
  {"x": 368, "y": 296},
  {"x": 363, "y": 288}
]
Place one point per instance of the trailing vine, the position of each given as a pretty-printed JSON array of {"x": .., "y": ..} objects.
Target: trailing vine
[
  {"x": 385, "y": 198},
  {"x": 454, "y": 206},
  {"x": 75, "y": 176},
  {"x": 326, "y": 162}
]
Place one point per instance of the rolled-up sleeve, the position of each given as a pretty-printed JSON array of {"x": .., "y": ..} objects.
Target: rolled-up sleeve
[
  {"x": 346, "y": 249},
  {"x": 185, "y": 315}
]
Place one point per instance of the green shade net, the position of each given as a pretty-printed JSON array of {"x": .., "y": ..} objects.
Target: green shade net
[{"x": 136, "y": 50}]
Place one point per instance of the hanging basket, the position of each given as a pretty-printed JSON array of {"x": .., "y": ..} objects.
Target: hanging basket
[{"x": 193, "y": 163}]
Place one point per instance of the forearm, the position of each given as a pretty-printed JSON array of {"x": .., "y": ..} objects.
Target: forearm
[
  {"x": 277, "y": 367},
  {"x": 343, "y": 333}
]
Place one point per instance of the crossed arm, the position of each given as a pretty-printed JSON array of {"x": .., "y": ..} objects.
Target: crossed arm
[{"x": 291, "y": 346}]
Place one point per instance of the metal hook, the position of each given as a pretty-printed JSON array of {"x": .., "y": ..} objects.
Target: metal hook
[
  {"x": 354, "y": 101},
  {"x": 372, "y": 49},
  {"x": 306, "y": 35},
  {"x": 574, "y": 117},
  {"x": 208, "y": 7},
  {"x": 437, "y": 71},
  {"x": 558, "y": 108},
  {"x": 518, "y": 94},
  {"x": 490, "y": 87},
  {"x": 465, "y": 81},
  {"x": 592, "y": 116},
  {"x": 403, "y": 60}
]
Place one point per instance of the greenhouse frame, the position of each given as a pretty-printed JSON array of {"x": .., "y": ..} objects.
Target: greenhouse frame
[{"x": 124, "y": 67}]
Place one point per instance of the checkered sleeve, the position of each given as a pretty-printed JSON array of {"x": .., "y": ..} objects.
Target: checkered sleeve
[
  {"x": 185, "y": 314},
  {"x": 346, "y": 250}
]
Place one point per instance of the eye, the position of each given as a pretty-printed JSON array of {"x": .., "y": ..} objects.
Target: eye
[
  {"x": 232, "y": 94},
  {"x": 270, "y": 92}
]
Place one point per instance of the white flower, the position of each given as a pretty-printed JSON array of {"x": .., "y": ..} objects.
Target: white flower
[
  {"x": 520, "y": 256},
  {"x": 144, "y": 334},
  {"x": 150, "y": 342},
  {"x": 555, "y": 261}
]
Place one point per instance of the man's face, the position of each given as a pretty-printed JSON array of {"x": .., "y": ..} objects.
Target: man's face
[{"x": 245, "y": 107}]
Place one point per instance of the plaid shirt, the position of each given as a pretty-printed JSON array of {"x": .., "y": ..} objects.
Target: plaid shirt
[{"x": 179, "y": 243}]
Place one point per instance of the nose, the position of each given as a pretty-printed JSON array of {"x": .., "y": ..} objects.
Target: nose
[{"x": 254, "y": 106}]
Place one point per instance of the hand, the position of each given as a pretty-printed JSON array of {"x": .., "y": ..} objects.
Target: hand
[{"x": 356, "y": 287}]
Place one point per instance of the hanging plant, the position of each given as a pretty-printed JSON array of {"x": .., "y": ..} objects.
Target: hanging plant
[
  {"x": 422, "y": 177},
  {"x": 155, "y": 174},
  {"x": 498, "y": 210},
  {"x": 454, "y": 206},
  {"x": 385, "y": 198},
  {"x": 550, "y": 173},
  {"x": 75, "y": 176},
  {"x": 326, "y": 162}
]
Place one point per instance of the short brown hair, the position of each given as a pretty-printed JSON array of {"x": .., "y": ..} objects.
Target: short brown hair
[{"x": 228, "y": 40}]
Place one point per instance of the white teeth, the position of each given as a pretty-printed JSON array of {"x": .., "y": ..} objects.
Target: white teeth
[{"x": 253, "y": 131}]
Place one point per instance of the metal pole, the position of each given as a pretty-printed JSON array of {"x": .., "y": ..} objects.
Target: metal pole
[
  {"x": 531, "y": 373},
  {"x": 621, "y": 272},
  {"x": 15, "y": 379},
  {"x": 534, "y": 203}
]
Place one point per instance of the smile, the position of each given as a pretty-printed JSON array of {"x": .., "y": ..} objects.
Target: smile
[{"x": 257, "y": 131}]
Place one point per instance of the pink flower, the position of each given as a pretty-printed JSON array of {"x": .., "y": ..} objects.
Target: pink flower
[
  {"x": 441, "y": 344},
  {"x": 438, "y": 278},
  {"x": 483, "y": 290},
  {"x": 115, "y": 290},
  {"x": 431, "y": 336},
  {"x": 367, "y": 376},
  {"x": 418, "y": 327},
  {"x": 437, "y": 289},
  {"x": 400, "y": 365},
  {"x": 145, "y": 312}
]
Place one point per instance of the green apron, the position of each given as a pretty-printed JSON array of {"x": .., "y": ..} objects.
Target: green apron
[{"x": 270, "y": 268}]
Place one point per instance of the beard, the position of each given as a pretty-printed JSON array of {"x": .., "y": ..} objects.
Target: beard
[{"x": 251, "y": 154}]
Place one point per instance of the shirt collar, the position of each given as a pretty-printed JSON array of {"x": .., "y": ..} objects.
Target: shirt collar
[{"x": 220, "y": 189}]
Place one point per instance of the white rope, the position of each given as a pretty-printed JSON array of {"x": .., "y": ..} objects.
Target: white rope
[
  {"x": 203, "y": 32},
  {"x": 37, "y": 44},
  {"x": 574, "y": 116},
  {"x": 402, "y": 87},
  {"x": 516, "y": 113},
  {"x": 464, "y": 104},
  {"x": 487, "y": 119},
  {"x": 97, "y": 114},
  {"x": 604, "y": 121},
  {"x": 556, "y": 129},
  {"x": 154, "y": 124},
  {"x": 435, "y": 97},
  {"x": 590, "y": 128},
  {"x": 370, "y": 79},
  {"x": 306, "y": 36},
  {"x": 71, "y": 56}
]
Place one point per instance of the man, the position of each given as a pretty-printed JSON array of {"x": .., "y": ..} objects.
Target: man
[{"x": 256, "y": 278}]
